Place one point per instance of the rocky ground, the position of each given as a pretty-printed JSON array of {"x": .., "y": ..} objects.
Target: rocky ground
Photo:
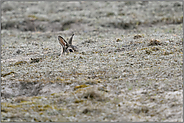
[{"x": 128, "y": 67}]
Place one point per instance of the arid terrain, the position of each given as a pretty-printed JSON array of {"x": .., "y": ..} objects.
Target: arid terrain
[{"x": 128, "y": 67}]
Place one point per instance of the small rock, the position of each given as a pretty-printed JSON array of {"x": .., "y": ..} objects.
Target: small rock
[
  {"x": 154, "y": 42},
  {"x": 138, "y": 36}
]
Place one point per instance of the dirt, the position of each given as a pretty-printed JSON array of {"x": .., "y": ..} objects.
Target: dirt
[{"x": 128, "y": 67}]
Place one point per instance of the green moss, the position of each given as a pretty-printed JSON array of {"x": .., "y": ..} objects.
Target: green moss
[{"x": 110, "y": 14}]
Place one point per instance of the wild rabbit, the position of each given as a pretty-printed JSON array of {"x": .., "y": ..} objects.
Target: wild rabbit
[{"x": 67, "y": 47}]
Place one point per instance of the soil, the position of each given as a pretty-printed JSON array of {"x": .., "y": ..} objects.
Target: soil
[{"x": 128, "y": 66}]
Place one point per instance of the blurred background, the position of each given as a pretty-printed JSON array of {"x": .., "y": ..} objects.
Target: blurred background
[{"x": 85, "y": 16}]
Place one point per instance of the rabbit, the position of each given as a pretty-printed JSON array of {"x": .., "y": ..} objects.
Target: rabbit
[{"x": 67, "y": 47}]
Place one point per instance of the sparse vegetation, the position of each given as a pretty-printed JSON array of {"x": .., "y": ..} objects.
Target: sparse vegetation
[{"x": 128, "y": 68}]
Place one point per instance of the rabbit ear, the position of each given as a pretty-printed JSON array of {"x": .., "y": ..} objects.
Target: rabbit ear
[
  {"x": 62, "y": 41},
  {"x": 70, "y": 41}
]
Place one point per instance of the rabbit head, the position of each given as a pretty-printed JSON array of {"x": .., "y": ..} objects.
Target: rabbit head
[{"x": 67, "y": 47}]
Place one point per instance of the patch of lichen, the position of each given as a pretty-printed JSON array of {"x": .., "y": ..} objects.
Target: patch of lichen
[
  {"x": 18, "y": 63},
  {"x": 6, "y": 74},
  {"x": 79, "y": 101},
  {"x": 29, "y": 106},
  {"x": 80, "y": 86}
]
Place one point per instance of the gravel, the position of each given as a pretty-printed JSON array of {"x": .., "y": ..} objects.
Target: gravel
[{"x": 128, "y": 67}]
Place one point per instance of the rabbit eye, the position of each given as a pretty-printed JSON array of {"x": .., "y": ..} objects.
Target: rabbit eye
[{"x": 70, "y": 50}]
